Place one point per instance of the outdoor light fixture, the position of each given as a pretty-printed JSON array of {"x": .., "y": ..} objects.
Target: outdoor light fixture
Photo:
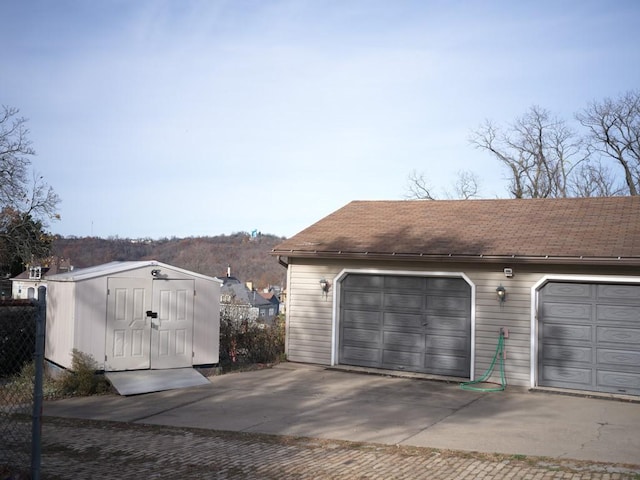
[
  {"x": 155, "y": 272},
  {"x": 502, "y": 293},
  {"x": 325, "y": 286}
]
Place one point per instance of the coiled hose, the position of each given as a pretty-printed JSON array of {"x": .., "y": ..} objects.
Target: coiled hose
[{"x": 472, "y": 385}]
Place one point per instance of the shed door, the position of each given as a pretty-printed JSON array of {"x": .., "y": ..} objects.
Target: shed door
[
  {"x": 418, "y": 324},
  {"x": 589, "y": 337},
  {"x": 172, "y": 330},
  {"x": 128, "y": 339},
  {"x": 136, "y": 340}
]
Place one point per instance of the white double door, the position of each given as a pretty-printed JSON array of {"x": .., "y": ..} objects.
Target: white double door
[{"x": 149, "y": 323}]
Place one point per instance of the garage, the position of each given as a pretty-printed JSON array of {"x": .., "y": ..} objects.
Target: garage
[
  {"x": 406, "y": 323},
  {"x": 589, "y": 337}
]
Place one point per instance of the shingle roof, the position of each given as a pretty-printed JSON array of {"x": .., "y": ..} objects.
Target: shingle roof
[
  {"x": 242, "y": 295},
  {"x": 569, "y": 229}
]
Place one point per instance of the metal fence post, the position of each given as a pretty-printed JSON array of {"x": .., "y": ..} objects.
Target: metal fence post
[{"x": 36, "y": 425}]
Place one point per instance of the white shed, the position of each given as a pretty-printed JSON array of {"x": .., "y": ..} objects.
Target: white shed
[{"x": 133, "y": 316}]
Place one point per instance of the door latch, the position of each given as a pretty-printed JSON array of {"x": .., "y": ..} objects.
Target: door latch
[{"x": 151, "y": 314}]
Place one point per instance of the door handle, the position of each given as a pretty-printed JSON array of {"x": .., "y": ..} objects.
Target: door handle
[{"x": 152, "y": 314}]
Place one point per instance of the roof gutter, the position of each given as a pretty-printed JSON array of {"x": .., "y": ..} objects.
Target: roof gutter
[
  {"x": 282, "y": 262},
  {"x": 478, "y": 258}
]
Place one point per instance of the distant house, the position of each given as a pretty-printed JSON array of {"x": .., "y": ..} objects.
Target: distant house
[
  {"x": 25, "y": 285},
  {"x": 272, "y": 297},
  {"x": 244, "y": 301}
]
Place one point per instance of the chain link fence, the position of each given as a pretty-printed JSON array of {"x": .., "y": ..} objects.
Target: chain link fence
[{"x": 21, "y": 372}]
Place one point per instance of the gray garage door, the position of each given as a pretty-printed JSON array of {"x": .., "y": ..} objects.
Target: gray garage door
[
  {"x": 417, "y": 324},
  {"x": 589, "y": 337}
]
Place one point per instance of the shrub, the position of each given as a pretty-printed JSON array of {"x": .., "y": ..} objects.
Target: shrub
[
  {"x": 19, "y": 388},
  {"x": 82, "y": 379},
  {"x": 17, "y": 336},
  {"x": 245, "y": 342}
]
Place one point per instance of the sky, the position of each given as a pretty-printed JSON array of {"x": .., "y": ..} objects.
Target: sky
[{"x": 179, "y": 118}]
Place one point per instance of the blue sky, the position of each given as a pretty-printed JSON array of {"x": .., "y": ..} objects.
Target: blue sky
[{"x": 156, "y": 118}]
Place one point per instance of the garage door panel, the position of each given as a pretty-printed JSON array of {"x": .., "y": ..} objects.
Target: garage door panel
[
  {"x": 557, "y": 332},
  {"x": 447, "y": 304},
  {"x": 364, "y": 282},
  {"x": 571, "y": 377},
  {"x": 618, "y": 292},
  {"x": 619, "y": 382},
  {"x": 458, "y": 344},
  {"x": 623, "y": 336},
  {"x": 403, "y": 301},
  {"x": 565, "y": 311},
  {"x": 568, "y": 354},
  {"x": 398, "y": 340},
  {"x": 448, "y": 324},
  {"x": 626, "y": 358},
  {"x": 600, "y": 352},
  {"x": 402, "y": 321},
  {"x": 619, "y": 313},
  {"x": 401, "y": 359},
  {"x": 447, "y": 364},
  {"x": 361, "y": 336},
  {"x": 404, "y": 283},
  {"x": 448, "y": 286},
  {"x": 574, "y": 290},
  {"x": 366, "y": 357},
  {"x": 364, "y": 300},
  {"x": 363, "y": 319}
]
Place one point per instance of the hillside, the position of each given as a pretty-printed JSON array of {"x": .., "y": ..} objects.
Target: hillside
[{"x": 247, "y": 256}]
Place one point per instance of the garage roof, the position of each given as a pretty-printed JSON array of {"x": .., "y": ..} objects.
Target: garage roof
[{"x": 600, "y": 230}]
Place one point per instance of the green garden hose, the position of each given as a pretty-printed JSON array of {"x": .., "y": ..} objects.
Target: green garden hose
[{"x": 483, "y": 379}]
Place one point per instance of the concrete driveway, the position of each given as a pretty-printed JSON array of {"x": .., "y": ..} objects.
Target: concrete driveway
[{"x": 311, "y": 401}]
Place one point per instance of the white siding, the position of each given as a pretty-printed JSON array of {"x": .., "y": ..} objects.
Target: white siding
[
  {"x": 59, "y": 339},
  {"x": 91, "y": 318},
  {"x": 206, "y": 328},
  {"x": 514, "y": 314},
  {"x": 310, "y": 314}
]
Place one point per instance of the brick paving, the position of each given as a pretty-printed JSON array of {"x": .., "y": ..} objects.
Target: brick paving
[{"x": 80, "y": 449}]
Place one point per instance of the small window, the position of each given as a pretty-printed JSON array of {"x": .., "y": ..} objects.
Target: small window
[{"x": 35, "y": 273}]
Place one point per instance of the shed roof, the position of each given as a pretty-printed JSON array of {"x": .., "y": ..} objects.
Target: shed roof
[
  {"x": 118, "y": 267},
  {"x": 568, "y": 230}
]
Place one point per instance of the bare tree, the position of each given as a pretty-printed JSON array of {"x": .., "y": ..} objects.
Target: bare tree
[
  {"x": 418, "y": 187},
  {"x": 15, "y": 149},
  {"x": 592, "y": 179},
  {"x": 26, "y": 201},
  {"x": 539, "y": 151},
  {"x": 465, "y": 187},
  {"x": 614, "y": 133}
]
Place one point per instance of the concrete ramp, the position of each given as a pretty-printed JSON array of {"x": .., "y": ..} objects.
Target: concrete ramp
[{"x": 133, "y": 382}]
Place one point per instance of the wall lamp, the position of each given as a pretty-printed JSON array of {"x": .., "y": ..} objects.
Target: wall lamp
[
  {"x": 325, "y": 286},
  {"x": 502, "y": 293},
  {"x": 155, "y": 272}
]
